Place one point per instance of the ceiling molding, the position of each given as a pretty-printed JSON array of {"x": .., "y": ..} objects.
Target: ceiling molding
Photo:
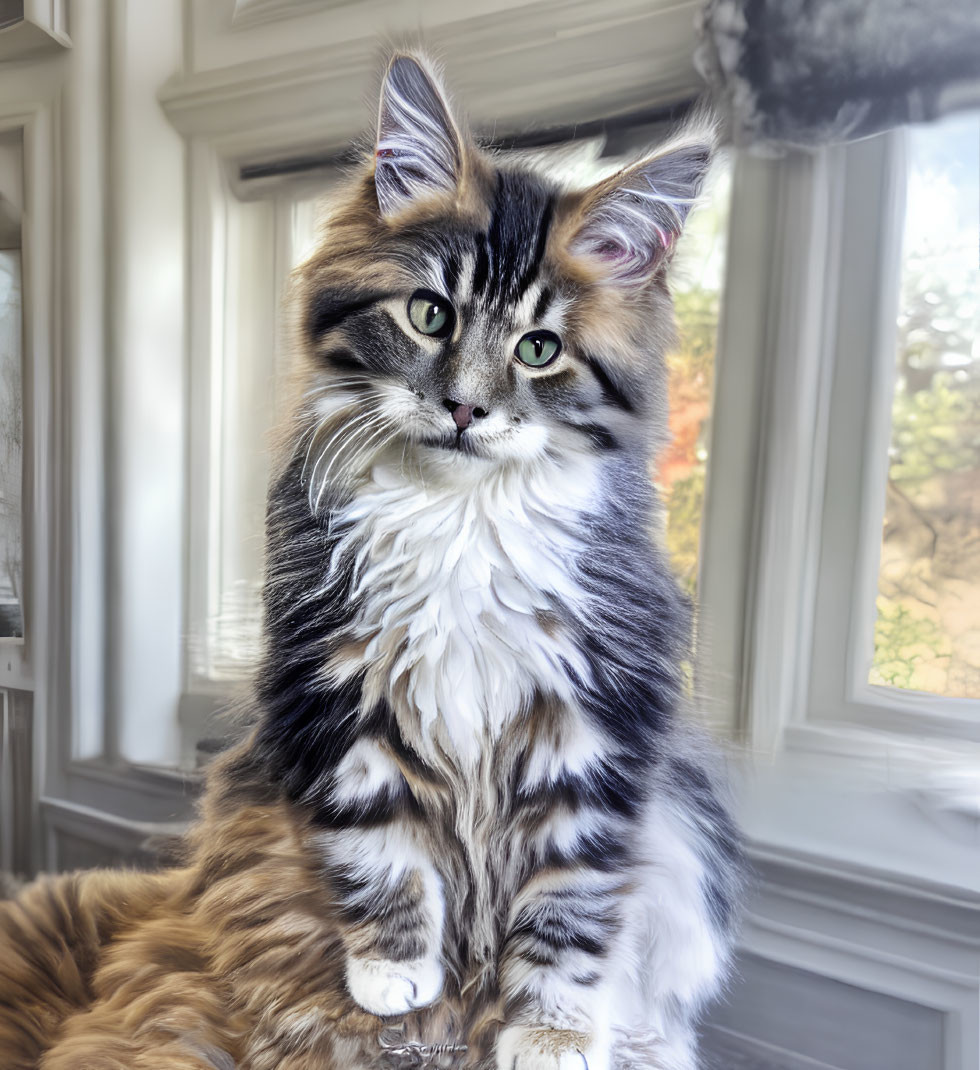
[
  {"x": 33, "y": 28},
  {"x": 544, "y": 64},
  {"x": 255, "y": 12}
]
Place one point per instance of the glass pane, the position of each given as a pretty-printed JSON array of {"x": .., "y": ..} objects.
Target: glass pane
[
  {"x": 927, "y": 635},
  {"x": 248, "y": 392},
  {"x": 11, "y": 441},
  {"x": 698, "y": 275}
]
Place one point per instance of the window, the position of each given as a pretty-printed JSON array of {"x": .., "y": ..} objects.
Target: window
[
  {"x": 11, "y": 446},
  {"x": 894, "y": 584},
  {"x": 248, "y": 362},
  {"x": 836, "y": 767},
  {"x": 927, "y": 631}
]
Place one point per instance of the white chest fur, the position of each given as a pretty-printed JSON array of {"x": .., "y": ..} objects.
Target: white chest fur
[{"x": 458, "y": 583}]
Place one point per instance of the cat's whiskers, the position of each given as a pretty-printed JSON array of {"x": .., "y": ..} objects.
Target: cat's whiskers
[
  {"x": 376, "y": 440},
  {"x": 358, "y": 442},
  {"x": 344, "y": 427},
  {"x": 312, "y": 433},
  {"x": 378, "y": 425}
]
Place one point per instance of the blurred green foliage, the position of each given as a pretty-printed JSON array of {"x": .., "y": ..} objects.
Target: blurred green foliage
[
  {"x": 683, "y": 467},
  {"x": 930, "y": 569},
  {"x": 901, "y": 641}
]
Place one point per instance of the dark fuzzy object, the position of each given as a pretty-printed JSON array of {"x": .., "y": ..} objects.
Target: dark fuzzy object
[{"x": 795, "y": 72}]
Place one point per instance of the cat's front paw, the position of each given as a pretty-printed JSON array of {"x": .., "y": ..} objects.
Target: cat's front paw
[
  {"x": 386, "y": 988},
  {"x": 522, "y": 1047}
]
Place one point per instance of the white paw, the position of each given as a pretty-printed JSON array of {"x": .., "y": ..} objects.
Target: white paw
[
  {"x": 521, "y": 1047},
  {"x": 386, "y": 988}
]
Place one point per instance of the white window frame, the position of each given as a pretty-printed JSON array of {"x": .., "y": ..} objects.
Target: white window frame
[
  {"x": 230, "y": 312},
  {"x": 856, "y": 827},
  {"x": 854, "y": 497},
  {"x": 814, "y": 371}
]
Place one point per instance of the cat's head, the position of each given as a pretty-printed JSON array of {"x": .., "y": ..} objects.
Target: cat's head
[{"x": 464, "y": 312}]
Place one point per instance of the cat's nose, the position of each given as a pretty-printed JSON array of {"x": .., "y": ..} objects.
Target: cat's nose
[{"x": 463, "y": 414}]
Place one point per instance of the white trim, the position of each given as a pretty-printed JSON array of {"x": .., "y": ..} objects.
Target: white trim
[
  {"x": 315, "y": 98},
  {"x": 910, "y": 941},
  {"x": 82, "y": 727},
  {"x": 768, "y": 1055},
  {"x": 953, "y": 993},
  {"x": 42, "y": 29},
  {"x": 795, "y": 386},
  {"x": 29, "y": 665},
  {"x": 123, "y": 836},
  {"x": 863, "y": 891},
  {"x": 208, "y": 209},
  {"x": 862, "y": 354},
  {"x": 256, "y": 12},
  {"x": 727, "y": 517},
  {"x": 146, "y": 365}
]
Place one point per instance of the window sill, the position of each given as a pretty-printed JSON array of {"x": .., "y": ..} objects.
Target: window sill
[
  {"x": 904, "y": 807},
  {"x": 945, "y": 772}
]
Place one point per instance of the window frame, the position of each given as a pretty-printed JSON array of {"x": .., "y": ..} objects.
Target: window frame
[
  {"x": 224, "y": 212},
  {"x": 859, "y": 416},
  {"x": 818, "y": 282}
]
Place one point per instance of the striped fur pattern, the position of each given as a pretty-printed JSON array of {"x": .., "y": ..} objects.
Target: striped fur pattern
[{"x": 469, "y": 809}]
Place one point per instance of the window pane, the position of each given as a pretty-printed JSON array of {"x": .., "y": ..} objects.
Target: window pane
[
  {"x": 250, "y": 372},
  {"x": 927, "y": 635},
  {"x": 11, "y": 439},
  {"x": 698, "y": 274}
]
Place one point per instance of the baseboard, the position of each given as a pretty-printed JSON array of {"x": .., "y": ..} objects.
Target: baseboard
[{"x": 724, "y": 1049}]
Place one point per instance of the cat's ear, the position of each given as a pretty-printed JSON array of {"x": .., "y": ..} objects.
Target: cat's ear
[
  {"x": 419, "y": 151},
  {"x": 630, "y": 222}
]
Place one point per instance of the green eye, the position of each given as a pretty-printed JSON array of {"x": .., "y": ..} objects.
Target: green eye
[
  {"x": 431, "y": 314},
  {"x": 538, "y": 348}
]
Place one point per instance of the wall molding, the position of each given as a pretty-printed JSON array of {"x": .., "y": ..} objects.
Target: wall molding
[
  {"x": 315, "y": 98},
  {"x": 123, "y": 839},
  {"x": 256, "y": 12},
  {"x": 41, "y": 28},
  {"x": 868, "y": 892},
  {"x": 912, "y": 939},
  {"x": 752, "y": 1052}
]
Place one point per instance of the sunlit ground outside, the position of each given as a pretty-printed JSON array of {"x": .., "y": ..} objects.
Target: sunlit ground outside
[{"x": 927, "y": 635}]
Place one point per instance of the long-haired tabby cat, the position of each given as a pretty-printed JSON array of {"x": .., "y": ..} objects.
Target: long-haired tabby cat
[{"x": 467, "y": 809}]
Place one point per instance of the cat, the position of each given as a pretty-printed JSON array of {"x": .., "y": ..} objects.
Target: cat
[{"x": 470, "y": 812}]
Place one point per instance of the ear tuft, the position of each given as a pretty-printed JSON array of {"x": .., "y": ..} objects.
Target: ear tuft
[
  {"x": 633, "y": 219},
  {"x": 419, "y": 150}
]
